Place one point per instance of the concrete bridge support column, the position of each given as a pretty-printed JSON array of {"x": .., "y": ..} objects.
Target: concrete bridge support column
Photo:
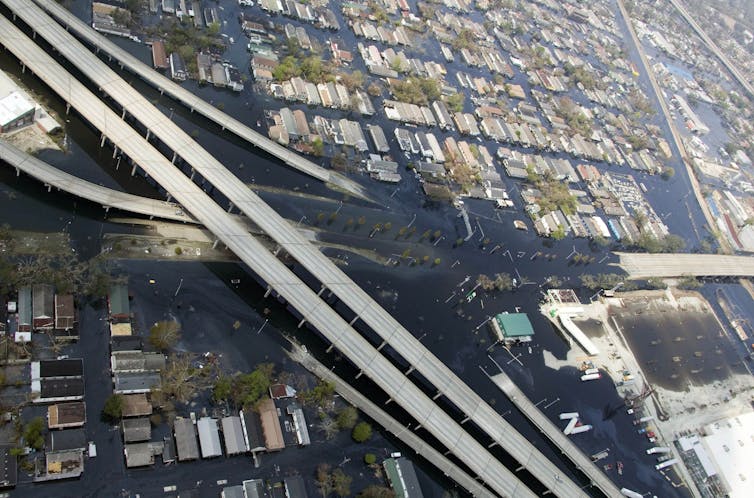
[
  {"x": 117, "y": 165},
  {"x": 214, "y": 246},
  {"x": 436, "y": 395},
  {"x": 123, "y": 114},
  {"x": 23, "y": 68},
  {"x": 418, "y": 426},
  {"x": 49, "y": 187},
  {"x": 388, "y": 400},
  {"x": 133, "y": 170},
  {"x": 269, "y": 289},
  {"x": 18, "y": 172},
  {"x": 382, "y": 345},
  {"x": 411, "y": 369},
  {"x": 169, "y": 198},
  {"x": 492, "y": 444},
  {"x": 107, "y": 208},
  {"x": 149, "y": 132},
  {"x": 33, "y": 35},
  {"x": 102, "y": 141},
  {"x": 67, "y": 108},
  {"x": 115, "y": 151},
  {"x": 465, "y": 420},
  {"x": 361, "y": 372},
  {"x": 330, "y": 348},
  {"x": 175, "y": 156},
  {"x": 301, "y": 323},
  {"x": 230, "y": 206},
  {"x": 193, "y": 173},
  {"x": 354, "y": 320},
  {"x": 277, "y": 250},
  {"x": 321, "y": 290}
]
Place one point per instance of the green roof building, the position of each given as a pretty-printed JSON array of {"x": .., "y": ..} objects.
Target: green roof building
[
  {"x": 118, "y": 302},
  {"x": 512, "y": 327}
]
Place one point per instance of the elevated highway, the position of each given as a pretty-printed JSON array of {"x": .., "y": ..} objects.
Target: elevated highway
[
  {"x": 266, "y": 266},
  {"x": 196, "y": 104},
  {"x": 329, "y": 275},
  {"x": 106, "y": 197},
  {"x": 643, "y": 265},
  {"x": 712, "y": 46}
]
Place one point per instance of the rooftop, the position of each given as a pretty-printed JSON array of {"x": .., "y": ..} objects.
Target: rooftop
[
  {"x": 12, "y": 107},
  {"x": 514, "y": 325},
  {"x": 136, "y": 405},
  {"x": 136, "y": 429},
  {"x": 66, "y": 415}
]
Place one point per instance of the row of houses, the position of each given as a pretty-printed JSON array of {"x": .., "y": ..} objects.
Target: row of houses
[
  {"x": 40, "y": 309},
  {"x": 220, "y": 74},
  {"x": 321, "y": 17},
  {"x": 331, "y": 94},
  {"x": 251, "y": 431},
  {"x": 61, "y": 382}
]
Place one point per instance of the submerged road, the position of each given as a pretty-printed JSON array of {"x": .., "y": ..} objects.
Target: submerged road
[
  {"x": 106, "y": 197},
  {"x": 266, "y": 266},
  {"x": 644, "y": 265},
  {"x": 329, "y": 275},
  {"x": 198, "y": 105}
]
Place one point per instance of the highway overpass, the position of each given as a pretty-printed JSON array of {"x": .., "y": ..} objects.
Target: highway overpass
[
  {"x": 328, "y": 274},
  {"x": 198, "y": 105},
  {"x": 106, "y": 197},
  {"x": 268, "y": 268},
  {"x": 643, "y": 265}
]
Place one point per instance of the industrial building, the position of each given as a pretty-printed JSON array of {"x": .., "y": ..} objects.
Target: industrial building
[
  {"x": 512, "y": 328},
  {"x": 15, "y": 112}
]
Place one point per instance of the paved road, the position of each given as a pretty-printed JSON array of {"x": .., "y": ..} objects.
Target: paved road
[
  {"x": 643, "y": 265},
  {"x": 380, "y": 416},
  {"x": 107, "y": 197},
  {"x": 529, "y": 409},
  {"x": 329, "y": 275},
  {"x": 714, "y": 48},
  {"x": 196, "y": 104},
  {"x": 267, "y": 267},
  {"x": 673, "y": 130}
]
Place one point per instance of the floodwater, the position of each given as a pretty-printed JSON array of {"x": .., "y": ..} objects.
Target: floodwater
[{"x": 423, "y": 298}]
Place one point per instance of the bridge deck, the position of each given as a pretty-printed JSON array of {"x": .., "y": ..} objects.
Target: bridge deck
[
  {"x": 197, "y": 104},
  {"x": 644, "y": 265},
  {"x": 319, "y": 265},
  {"x": 104, "y": 196},
  {"x": 268, "y": 268}
]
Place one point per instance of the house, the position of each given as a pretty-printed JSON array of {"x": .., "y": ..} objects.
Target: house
[
  {"x": 232, "y": 492},
  {"x": 117, "y": 301},
  {"x": 295, "y": 487},
  {"x": 252, "y": 430},
  {"x": 64, "y": 454},
  {"x": 401, "y": 475},
  {"x": 185, "y": 439},
  {"x": 178, "y": 70},
  {"x": 135, "y": 382},
  {"x": 273, "y": 434},
  {"x": 209, "y": 437},
  {"x": 378, "y": 137},
  {"x": 57, "y": 380},
  {"x": 136, "y": 405},
  {"x": 299, "y": 424},
  {"x": 159, "y": 56},
  {"x": 43, "y": 307},
  {"x": 65, "y": 312},
  {"x": 66, "y": 415},
  {"x": 138, "y": 455},
  {"x": 125, "y": 343},
  {"x": 136, "y": 429},
  {"x": 254, "y": 488},
  {"x": 512, "y": 328},
  {"x": 24, "y": 309},
  {"x": 233, "y": 434},
  {"x": 136, "y": 361}
]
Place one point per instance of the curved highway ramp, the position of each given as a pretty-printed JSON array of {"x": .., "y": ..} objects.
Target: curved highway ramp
[{"x": 106, "y": 197}]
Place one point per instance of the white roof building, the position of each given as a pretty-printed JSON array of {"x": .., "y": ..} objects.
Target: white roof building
[
  {"x": 209, "y": 437},
  {"x": 12, "y": 107}
]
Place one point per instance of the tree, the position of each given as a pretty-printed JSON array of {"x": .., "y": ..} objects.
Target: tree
[
  {"x": 503, "y": 282},
  {"x": 320, "y": 395},
  {"x": 250, "y": 387},
  {"x": 165, "y": 334},
  {"x": 656, "y": 283},
  {"x": 222, "y": 389},
  {"x": 374, "y": 89},
  {"x": 113, "y": 409},
  {"x": 347, "y": 417},
  {"x": 370, "y": 459},
  {"x": 318, "y": 147},
  {"x": 329, "y": 426},
  {"x": 341, "y": 482},
  {"x": 324, "y": 479},
  {"x": 436, "y": 262},
  {"x": 668, "y": 173},
  {"x": 361, "y": 432},
  {"x": 559, "y": 233},
  {"x": 32, "y": 433},
  {"x": 485, "y": 282}
]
